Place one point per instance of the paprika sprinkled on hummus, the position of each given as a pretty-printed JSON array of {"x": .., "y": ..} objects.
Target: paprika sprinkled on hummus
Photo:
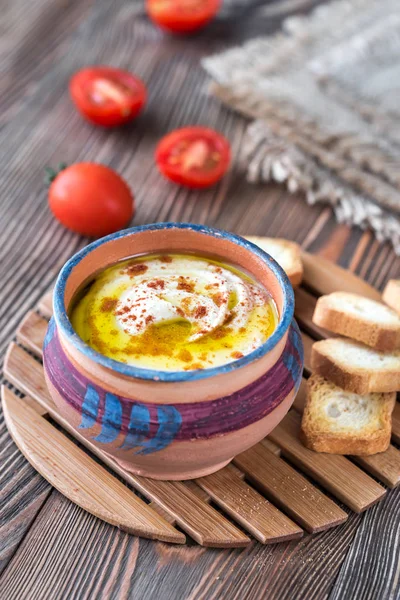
[{"x": 174, "y": 312}]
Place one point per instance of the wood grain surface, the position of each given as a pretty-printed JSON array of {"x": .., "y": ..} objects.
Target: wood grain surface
[
  {"x": 50, "y": 548},
  {"x": 244, "y": 504},
  {"x": 289, "y": 489}
]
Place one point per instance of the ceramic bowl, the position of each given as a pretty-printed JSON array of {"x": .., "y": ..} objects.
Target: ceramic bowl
[{"x": 172, "y": 425}]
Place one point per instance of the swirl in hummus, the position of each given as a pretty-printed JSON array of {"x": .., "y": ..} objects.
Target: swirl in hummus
[{"x": 174, "y": 312}]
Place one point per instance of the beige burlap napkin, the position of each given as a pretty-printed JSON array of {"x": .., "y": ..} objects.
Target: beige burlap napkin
[{"x": 324, "y": 95}]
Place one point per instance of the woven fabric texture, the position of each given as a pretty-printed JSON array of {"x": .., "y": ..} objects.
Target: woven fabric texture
[{"x": 323, "y": 95}]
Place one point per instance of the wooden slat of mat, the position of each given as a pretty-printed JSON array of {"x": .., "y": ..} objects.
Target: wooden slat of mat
[
  {"x": 324, "y": 277},
  {"x": 385, "y": 466},
  {"x": 244, "y": 504},
  {"x": 78, "y": 476},
  {"x": 23, "y": 371},
  {"x": 200, "y": 493},
  {"x": 163, "y": 513},
  {"x": 289, "y": 490},
  {"x": 41, "y": 410},
  {"x": 31, "y": 332},
  {"x": 269, "y": 445},
  {"x": 207, "y": 526},
  {"x": 236, "y": 471},
  {"x": 45, "y": 304},
  {"x": 336, "y": 473},
  {"x": 304, "y": 310},
  {"x": 396, "y": 423}
]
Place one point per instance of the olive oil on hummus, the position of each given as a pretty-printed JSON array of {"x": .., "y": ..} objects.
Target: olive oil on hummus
[{"x": 174, "y": 312}]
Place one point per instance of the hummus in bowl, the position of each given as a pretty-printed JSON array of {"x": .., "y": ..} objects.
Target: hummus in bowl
[{"x": 174, "y": 312}]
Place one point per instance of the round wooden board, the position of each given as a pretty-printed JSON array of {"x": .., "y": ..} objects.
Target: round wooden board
[{"x": 262, "y": 494}]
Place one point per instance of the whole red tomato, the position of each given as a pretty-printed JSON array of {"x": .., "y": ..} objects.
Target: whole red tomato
[
  {"x": 182, "y": 16},
  {"x": 107, "y": 96},
  {"x": 90, "y": 199}
]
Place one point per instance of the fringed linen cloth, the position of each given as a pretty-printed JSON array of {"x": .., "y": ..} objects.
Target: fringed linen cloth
[{"x": 324, "y": 94}]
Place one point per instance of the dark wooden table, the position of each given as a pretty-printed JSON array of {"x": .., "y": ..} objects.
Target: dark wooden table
[{"x": 50, "y": 548}]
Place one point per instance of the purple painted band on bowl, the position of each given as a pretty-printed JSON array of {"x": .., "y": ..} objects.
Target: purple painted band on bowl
[{"x": 154, "y": 426}]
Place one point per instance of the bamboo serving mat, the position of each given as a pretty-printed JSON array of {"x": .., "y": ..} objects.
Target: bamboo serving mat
[{"x": 272, "y": 492}]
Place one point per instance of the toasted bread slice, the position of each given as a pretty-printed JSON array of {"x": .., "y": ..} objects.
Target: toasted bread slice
[
  {"x": 287, "y": 254},
  {"x": 340, "y": 422},
  {"x": 355, "y": 367},
  {"x": 391, "y": 294},
  {"x": 359, "y": 318}
]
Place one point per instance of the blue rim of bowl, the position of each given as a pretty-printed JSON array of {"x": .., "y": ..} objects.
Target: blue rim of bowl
[{"x": 65, "y": 326}]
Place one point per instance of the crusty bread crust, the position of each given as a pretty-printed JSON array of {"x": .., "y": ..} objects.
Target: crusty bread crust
[
  {"x": 391, "y": 294},
  {"x": 384, "y": 338},
  {"x": 352, "y": 379},
  {"x": 335, "y": 445},
  {"x": 363, "y": 443},
  {"x": 294, "y": 270}
]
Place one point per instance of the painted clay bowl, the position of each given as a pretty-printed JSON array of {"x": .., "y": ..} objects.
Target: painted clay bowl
[{"x": 172, "y": 425}]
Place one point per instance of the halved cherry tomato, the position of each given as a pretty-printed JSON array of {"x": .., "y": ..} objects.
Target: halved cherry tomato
[
  {"x": 193, "y": 156},
  {"x": 107, "y": 96},
  {"x": 90, "y": 199},
  {"x": 182, "y": 16}
]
